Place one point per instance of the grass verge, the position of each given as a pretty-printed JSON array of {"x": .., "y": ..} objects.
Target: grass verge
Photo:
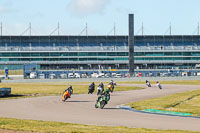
[
  {"x": 59, "y": 127},
  {"x": 44, "y": 89},
  {"x": 187, "y": 102}
]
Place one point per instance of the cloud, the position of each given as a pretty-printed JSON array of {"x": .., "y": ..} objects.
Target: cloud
[
  {"x": 124, "y": 10},
  {"x": 4, "y": 9},
  {"x": 87, "y": 7}
]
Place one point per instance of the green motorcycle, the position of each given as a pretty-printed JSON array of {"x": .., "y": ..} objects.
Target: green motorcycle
[{"x": 103, "y": 99}]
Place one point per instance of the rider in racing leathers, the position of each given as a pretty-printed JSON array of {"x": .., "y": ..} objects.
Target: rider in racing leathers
[
  {"x": 70, "y": 90},
  {"x": 112, "y": 83},
  {"x": 106, "y": 94},
  {"x": 101, "y": 85}
]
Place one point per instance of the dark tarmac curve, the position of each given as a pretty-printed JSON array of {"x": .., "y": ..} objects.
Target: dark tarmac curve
[{"x": 80, "y": 109}]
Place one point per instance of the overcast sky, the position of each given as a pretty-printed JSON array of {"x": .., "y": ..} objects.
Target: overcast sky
[{"x": 100, "y": 16}]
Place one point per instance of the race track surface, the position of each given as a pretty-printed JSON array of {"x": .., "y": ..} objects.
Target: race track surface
[{"x": 80, "y": 109}]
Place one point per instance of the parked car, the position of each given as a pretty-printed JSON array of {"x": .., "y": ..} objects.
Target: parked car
[
  {"x": 118, "y": 75},
  {"x": 107, "y": 75}
]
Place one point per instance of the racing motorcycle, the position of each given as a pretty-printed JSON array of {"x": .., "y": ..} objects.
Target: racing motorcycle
[
  {"x": 66, "y": 95},
  {"x": 111, "y": 86},
  {"x": 159, "y": 86},
  {"x": 99, "y": 90},
  {"x": 91, "y": 88},
  {"x": 148, "y": 84},
  {"x": 103, "y": 99}
]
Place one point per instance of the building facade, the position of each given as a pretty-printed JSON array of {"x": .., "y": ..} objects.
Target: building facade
[{"x": 93, "y": 53}]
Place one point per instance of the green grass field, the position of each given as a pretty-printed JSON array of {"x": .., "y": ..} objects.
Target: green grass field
[
  {"x": 59, "y": 127},
  {"x": 12, "y": 72},
  {"x": 44, "y": 89},
  {"x": 187, "y": 102}
]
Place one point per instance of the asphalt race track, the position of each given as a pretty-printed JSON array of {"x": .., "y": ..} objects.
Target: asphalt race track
[{"x": 80, "y": 109}]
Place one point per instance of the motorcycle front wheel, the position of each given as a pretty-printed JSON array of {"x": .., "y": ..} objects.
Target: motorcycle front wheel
[
  {"x": 102, "y": 104},
  {"x": 98, "y": 92},
  {"x": 160, "y": 87},
  {"x": 65, "y": 98}
]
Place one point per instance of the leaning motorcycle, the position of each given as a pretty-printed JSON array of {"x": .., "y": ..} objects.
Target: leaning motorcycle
[
  {"x": 159, "y": 86},
  {"x": 99, "y": 90},
  {"x": 148, "y": 84},
  {"x": 102, "y": 100},
  {"x": 111, "y": 86},
  {"x": 66, "y": 95},
  {"x": 91, "y": 89}
]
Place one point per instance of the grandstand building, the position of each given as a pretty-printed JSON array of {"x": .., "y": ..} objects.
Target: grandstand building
[
  {"x": 171, "y": 55},
  {"x": 93, "y": 53}
]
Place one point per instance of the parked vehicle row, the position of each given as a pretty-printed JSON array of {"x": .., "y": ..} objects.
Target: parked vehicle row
[{"x": 34, "y": 75}]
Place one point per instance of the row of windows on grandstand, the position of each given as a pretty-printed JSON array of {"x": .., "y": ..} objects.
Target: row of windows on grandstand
[
  {"x": 99, "y": 54},
  {"x": 8, "y": 44},
  {"x": 88, "y": 39},
  {"x": 63, "y": 59},
  {"x": 65, "y": 54},
  {"x": 98, "y": 59},
  {"x": 59, "y": 39},
  {"x": 61, "y": 44}
]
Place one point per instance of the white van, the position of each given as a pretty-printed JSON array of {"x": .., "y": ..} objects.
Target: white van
[
  {"x": 41, "y": 76},
  {"x": 94, "y": 75},
  {"x": 63, "y": 76},
  {"x": 100, "y": 75},
  {"x": 77, "y": 75},
  {"x": 70, "y": 75},
  {"x": 33, "y": 75},
  {"x": 52, "y": 76},
  {"x": 118, "y": 75}
]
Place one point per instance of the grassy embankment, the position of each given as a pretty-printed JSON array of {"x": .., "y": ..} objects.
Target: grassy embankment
[
  {"x": 59, "y": 127},
  {"x": 44, "y": 89},
  {"x": 12, "y": 72},
  {"x": 187, "y": 102}
]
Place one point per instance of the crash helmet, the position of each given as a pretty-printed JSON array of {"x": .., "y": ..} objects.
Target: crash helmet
[{"x": 109, "y": 86}]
